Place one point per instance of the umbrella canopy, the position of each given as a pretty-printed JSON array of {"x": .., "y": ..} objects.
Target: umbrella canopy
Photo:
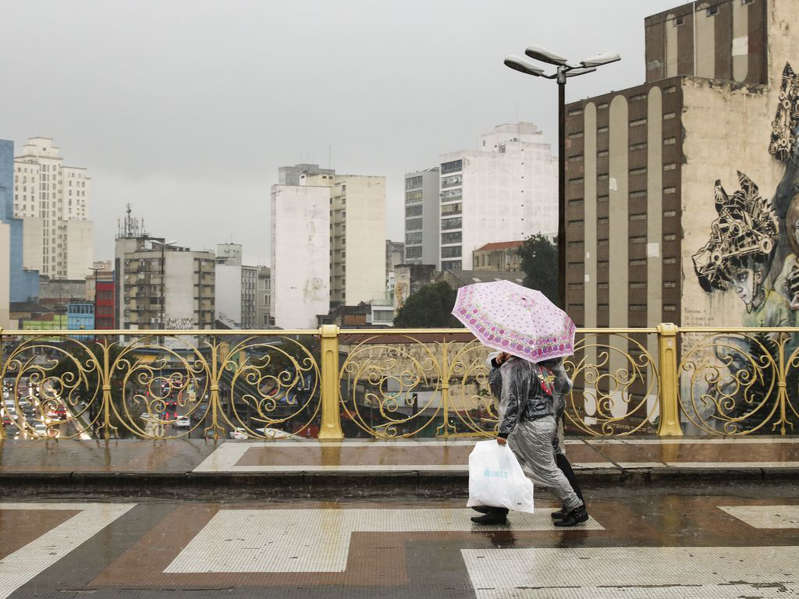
[{"x": 515, "y": 319}]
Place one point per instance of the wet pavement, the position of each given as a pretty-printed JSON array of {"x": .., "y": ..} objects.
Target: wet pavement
[{"x": 731, "y": 541}]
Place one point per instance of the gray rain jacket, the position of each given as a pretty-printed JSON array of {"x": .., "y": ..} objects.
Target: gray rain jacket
[{"x": 528, "y": 391}]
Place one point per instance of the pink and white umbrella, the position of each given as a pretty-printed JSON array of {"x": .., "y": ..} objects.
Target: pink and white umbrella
[{"x": 515, "y": 319}]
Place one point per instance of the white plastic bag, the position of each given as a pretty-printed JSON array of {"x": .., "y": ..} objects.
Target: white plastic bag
[{"x": 496, "y": 478}]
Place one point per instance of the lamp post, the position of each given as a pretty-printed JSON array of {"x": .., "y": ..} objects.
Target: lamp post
[{"x": 563, "y": 70}]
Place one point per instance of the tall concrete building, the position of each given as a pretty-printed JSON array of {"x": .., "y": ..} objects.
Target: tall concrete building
[
  {"x": 53, "y": 201},
  {"x": 159, "y": 284},
  {"x": 506, "y": 190},
  {"x": 300, "y": 270},
  {"x": 23, "y": 283},
  {"x": 422, "y": 217},
  {"x": 679, "y": 206},
  {"x": 357, "y": 239},
  {"x": 263, "y": 299}
]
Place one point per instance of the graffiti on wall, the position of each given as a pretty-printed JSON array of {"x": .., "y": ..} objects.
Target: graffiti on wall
[{"x": 754, "y": 240}]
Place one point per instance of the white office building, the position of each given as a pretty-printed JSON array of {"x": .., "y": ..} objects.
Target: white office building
[
  {"x": 53, "y": 201},
  {"x": 422, "y": 217},
  {"x": 300, "y": 269},
  {"x": 505, "y": 191}
]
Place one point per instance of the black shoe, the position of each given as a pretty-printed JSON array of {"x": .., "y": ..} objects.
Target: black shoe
[
  {"x": 491, "y": 518},
  {"x": 577, "y": 515},
  {"x": 483, "y": 509},
  {"x": 559, "y": 514}
]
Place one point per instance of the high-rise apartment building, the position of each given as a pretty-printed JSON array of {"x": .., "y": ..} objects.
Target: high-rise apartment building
[
  {"x": 263, "y": 299},
  {"x": 159, "y": 284},
  {"x": 504, "y": 191},
  {"x": 422, "y": 217},
  {"x": 357, "y": 239},
  {"x": 23, "y": 284},
  {"x": 300, "y": 237},
  {"x": 53, "y": 201}
]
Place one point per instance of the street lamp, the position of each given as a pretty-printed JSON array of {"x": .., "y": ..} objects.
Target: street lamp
[{"x": 563, "y": 70}]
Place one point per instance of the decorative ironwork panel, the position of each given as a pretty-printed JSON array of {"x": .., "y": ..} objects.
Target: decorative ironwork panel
[
  {"x": 738, "y": 382},
  {"x": 616, "y": 383},
  {"x": 154, "y": 386},
  {"x": 415, "y": 385}
]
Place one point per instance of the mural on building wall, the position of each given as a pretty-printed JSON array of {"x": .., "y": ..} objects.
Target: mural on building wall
[
  {"x": 752, "y": 250},
  {"x": 754, "y": 241}
]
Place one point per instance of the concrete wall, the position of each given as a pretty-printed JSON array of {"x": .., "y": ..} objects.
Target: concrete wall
[
  {"x": 365, "y": 276},
  {"x": 79, "y": 248},
  {"x": 301, "y": 255},
  {"x": 228, "y": 292},
  {"x": 179, "y": 302}
]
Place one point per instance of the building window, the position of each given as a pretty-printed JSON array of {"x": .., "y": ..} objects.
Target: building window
[
  {"x": 451, "y": 181},
  {"x": 413, "y": 182},
  {"x": 451, "y": 265},
  {"x": 451, "y": 195},
  {"x": 413, "y": 224},
  {"x": 413, "y": 238},
  {"x": 413, "y": 252},
  {"x": 413, "y": 196},
  {"x": 451, "y": 167},
  {"x": 447, "y": 224},
  {"x": 449, "y": 209},
  {"x": 451, "y": 238},
  {"x": 451, "y": 252},
  {"x": 413, "y": 210}
]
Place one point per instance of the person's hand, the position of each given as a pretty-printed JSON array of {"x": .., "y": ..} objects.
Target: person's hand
[{"x": 501, "y": 441}]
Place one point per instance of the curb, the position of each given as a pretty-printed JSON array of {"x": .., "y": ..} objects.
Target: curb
[{"x": 344, "y": 485}]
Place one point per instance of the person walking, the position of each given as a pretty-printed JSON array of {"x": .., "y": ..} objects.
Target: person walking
[
  {"x": 561, "y": 387},
  {"x": 528, "y": 426}
]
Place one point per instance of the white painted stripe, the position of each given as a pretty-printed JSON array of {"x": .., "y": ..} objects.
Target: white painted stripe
[
  {"x": 318, "y": 540},
  {"x": 765, "y": 516},
  {"x": 225, "y": 458},
  {"x": 27, "y": 562},
  {"x": 632, "y": 572}
]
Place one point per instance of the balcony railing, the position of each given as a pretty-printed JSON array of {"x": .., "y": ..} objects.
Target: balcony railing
[{"x": 332, "y": 383}]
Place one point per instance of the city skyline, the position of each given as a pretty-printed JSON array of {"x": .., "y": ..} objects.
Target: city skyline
[{"x": 194, "y": 122}]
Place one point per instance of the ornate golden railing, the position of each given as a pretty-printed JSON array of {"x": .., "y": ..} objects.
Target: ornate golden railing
[{"x": 383, "y": 383}]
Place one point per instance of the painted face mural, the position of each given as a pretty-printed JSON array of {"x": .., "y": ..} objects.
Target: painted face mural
[{"x": 754, "y": 241}]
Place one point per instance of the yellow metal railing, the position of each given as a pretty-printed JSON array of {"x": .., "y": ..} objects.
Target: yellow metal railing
[{"x": 332, "y": 383}]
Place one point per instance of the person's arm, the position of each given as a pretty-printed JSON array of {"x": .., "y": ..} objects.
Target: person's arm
[{"x": 511, "y": 399}]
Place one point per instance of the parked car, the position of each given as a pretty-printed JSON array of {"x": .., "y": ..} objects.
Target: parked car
[
  {"x": 183, "y": 422},
  {"x": 275, "y": 433},
  {"x": 239, "y": 433}
]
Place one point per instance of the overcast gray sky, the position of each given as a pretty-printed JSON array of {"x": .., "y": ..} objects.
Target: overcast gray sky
[{"x": 186, "y": 109}]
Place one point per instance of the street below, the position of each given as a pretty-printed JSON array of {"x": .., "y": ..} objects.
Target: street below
[{"x": 650, "y": 542}]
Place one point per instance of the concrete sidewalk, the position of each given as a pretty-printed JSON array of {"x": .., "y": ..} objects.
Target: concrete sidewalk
[{"x": 361, "y": 468}]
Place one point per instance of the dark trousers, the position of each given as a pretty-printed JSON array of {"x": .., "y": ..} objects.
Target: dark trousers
[{"x": 562, "y": 462}]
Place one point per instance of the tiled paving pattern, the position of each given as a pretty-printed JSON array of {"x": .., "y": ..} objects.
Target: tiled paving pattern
[
  {"x": 765, "y": 516},
  {"x": 55, "y": 539},
  {"x": 634, "y": 572},
  {"x": 645, "y": 545}
]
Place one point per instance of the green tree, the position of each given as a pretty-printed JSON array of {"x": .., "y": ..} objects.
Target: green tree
[
  {"x": 429, "y": 307},
  {"x": 540, "y": 265}
]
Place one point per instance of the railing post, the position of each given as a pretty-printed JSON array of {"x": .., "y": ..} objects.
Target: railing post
[
  {"x": 669, "y": 402},
  {"x": 2, "y": 369},
  {"x": 330, "y": 430}
]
